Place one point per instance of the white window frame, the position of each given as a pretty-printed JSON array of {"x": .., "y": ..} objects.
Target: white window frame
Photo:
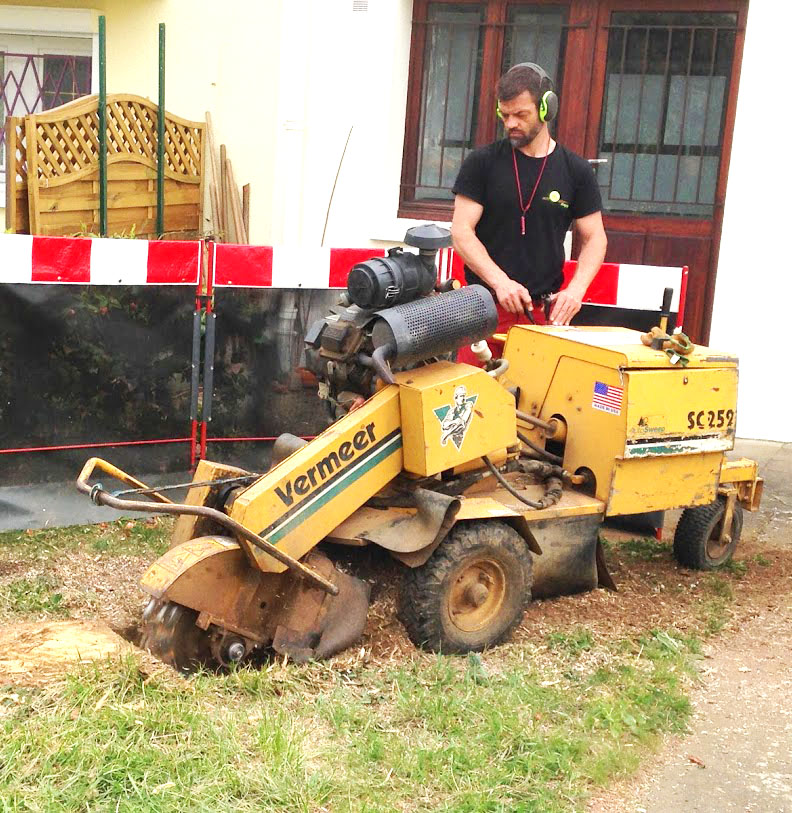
[{"x": 46, "y": 21}]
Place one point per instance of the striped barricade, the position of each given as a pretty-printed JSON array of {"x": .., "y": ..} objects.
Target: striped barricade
[
  {"x": 629, "y": 295},
  {"x": 67, "y": 355}
]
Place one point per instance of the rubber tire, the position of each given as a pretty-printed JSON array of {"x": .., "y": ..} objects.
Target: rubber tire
[
  {"x": 696, "y": 527},
  {"x": 427, "y": 589},
  {"x": 170, "y": 634}
]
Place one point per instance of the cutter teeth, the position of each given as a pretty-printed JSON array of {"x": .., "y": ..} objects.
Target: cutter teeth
[{"x": 170, "y": 634}]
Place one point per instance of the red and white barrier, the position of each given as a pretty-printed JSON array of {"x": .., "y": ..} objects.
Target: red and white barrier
[
  {"x": 98, "y": 261},
  {"x": 634, "y": 287},
  {"x": 286, "y": 266},
  {"x": 101, "y": 261}
]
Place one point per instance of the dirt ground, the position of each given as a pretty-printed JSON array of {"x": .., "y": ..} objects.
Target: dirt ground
[
  {"x": 653, "y": 592},
  {"x": 737, "y": 754},
  {"x": 743, "y": 703}
]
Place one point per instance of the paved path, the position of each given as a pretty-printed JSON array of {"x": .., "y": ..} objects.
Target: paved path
[{"x": 738, "y": 754}]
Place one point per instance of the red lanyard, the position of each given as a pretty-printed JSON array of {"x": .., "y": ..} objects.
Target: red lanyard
[{"x": 524, "y": 208}]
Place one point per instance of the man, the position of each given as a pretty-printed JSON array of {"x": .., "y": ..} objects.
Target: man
[
  {"x": 455, "y": 423},
  {"x": 515, "y": 201}
]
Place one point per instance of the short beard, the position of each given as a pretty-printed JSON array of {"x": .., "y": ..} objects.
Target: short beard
[{"x": 524, "y": 140}]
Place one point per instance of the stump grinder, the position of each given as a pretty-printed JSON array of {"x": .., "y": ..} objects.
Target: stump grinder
[{"x": 489, "y": 485}]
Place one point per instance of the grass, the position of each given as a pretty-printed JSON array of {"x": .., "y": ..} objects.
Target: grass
[
  {"x": 38, "y": 596},
  {"x": 644, "y": 549},
  {"x": 530, "y": 726},
  {"x": 118, "y": 538},
  {"x": 438, "y": 733}
]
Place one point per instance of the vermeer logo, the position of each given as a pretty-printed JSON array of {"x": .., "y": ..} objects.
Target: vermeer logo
[
  {"x": 327, "y": 466},
  {"x": 555, "y": 197},
  {"x": 455, "y": 418}
]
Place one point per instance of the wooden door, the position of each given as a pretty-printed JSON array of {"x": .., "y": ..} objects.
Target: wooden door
[{"x": 661, "y": 113}]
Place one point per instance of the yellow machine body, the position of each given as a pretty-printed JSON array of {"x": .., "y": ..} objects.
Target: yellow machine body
[
  {"x": 444, "y": 445},
  {"x": 299, "y": 501},
  {"x": 652, "y": 433},
  {"x": 452, "y": 414},
  {"x": 409, "y": 426}
]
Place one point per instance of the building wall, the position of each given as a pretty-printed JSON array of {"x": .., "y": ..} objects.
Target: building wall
[
  {"x": 343, "y": 94},
  {"x": 226, "y": 63},
  {"x": 309, "y": 97},
  {"x": 751, "y": 313}
]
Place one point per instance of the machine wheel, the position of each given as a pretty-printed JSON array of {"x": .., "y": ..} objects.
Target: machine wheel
[
  {"x": 471, "y": 593},
  {"x": 696, "y": 539},
  {"x": 170, "y": 634}
]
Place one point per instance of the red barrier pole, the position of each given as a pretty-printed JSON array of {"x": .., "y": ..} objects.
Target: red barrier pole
[{"x": 208, "y": 380}]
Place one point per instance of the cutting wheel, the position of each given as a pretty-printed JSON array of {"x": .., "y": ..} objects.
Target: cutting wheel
[{"x": 170, "y": 634}]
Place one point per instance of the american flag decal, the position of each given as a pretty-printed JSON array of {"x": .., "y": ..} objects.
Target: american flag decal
[{"x": 607, "y": 398}]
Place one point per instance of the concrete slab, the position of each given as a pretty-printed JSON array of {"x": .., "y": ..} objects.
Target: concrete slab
[
  {"x": 775, "y": 466},
  {"x": 59, "y": 505}
]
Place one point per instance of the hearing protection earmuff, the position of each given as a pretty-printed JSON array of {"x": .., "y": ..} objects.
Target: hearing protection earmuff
[{"x": 548, "y": 99}]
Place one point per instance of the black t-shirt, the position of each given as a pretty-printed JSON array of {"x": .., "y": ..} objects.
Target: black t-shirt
[{"x": 568, "y": 190}]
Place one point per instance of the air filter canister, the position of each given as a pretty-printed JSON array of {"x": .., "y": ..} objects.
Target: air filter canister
[{"x": 436, "y": 324}]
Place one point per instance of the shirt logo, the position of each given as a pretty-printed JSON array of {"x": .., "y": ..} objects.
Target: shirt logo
[
  {"x": 455, "y": 418},
  {"x": 555, "y": 197}
]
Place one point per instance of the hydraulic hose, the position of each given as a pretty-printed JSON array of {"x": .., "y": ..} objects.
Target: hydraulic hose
[
  {"x": 553, "y": 458},
  {"x": 534, "y": 421},
  {"x": 502, "y": 480}
]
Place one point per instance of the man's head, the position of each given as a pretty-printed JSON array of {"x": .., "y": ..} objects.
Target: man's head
[
  {"x": 524, "y": 92},
  {"x": 460, "y": 394}
]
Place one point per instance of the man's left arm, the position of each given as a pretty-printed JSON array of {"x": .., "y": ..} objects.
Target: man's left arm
[{"x": 593, "y": 243}]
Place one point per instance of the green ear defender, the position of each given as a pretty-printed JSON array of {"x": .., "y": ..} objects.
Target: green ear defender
[
  {"x": 548, "y": 106},
  {"x": 548, "y": 101}
]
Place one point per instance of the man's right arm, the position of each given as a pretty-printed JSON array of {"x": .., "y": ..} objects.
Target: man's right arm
[{"x": 511, "y": 296}]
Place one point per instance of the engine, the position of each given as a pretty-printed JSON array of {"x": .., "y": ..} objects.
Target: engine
[{"x": 394, "y": 316}]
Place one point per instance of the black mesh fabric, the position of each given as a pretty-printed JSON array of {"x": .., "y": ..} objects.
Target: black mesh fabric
[
  {"x": 261, "y": 387},
  {"x": 92, "y": 364}
]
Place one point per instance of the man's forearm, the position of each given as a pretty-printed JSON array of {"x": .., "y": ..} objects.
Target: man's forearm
[{"x": 590, "y": 259}]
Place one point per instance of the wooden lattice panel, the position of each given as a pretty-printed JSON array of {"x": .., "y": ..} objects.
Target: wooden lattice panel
[
  {"x": 61, "y": 149},
  {"x": 16, "y": 204}
]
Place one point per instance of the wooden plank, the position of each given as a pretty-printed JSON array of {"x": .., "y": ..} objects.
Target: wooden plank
[
  {"x": 22, "y": 216},
  {"x": 21, "y": 157},
  {"x": 88, "y": 186},
  {"x": 215, "y": 210},
  {"x": 227, "y": 226},
  {"x": 246, "y": 211},
  {"x": 145, "y": 227},
  {"x": 210, "y": 145},
  {"x": 236, "y": 204},
  {"x": 118, "y": 199},
  {"x": 123, "y": 166},
  {"x": 202, "y": 185},
  {"x": 73, "y": 220},
  {"x": 32, "y": 166}
]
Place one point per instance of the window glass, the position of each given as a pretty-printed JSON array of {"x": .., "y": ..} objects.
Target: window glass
[
  {"x": 666, "y": 89},
  {"x": 536, "y": 35},
  {"x": 38, "y": 73},
  {"x": 451, "y": 89},
  {"x": 65, "y": 78},
  {"x": 449, "y": 101}
]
